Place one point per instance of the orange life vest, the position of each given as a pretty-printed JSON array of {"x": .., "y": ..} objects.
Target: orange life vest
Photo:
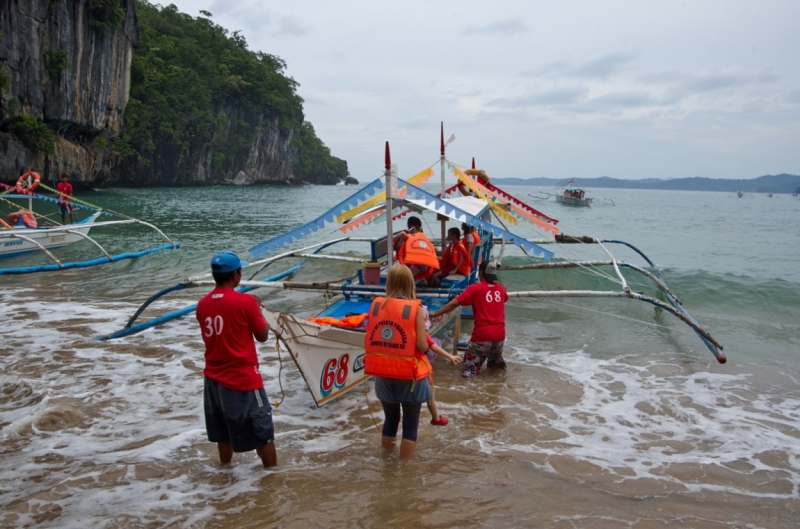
[
  {"x": 476, "y": 241},
  {"x": 391, "y": 341},
  {"x": 419, "y": 250},
  {"x": 450, "y": 258},
  {"x": 353, "y": 321}
]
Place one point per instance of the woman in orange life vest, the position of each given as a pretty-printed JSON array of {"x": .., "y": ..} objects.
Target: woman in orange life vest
[
  {"x": 416, "y": 251},
  {"x": 455, "y": 259},
  {"x": 395, "y": 345}
]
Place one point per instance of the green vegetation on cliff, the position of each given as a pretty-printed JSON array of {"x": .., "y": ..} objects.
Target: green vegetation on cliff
[{"x": 200, "y": 97}]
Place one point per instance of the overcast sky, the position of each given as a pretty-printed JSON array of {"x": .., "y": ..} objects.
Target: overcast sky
[{"x": 627, "y": 89}]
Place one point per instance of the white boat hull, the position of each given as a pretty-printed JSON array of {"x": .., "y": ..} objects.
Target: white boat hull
[
  {"x": 571, "y": 201},
  {"x": 11, "y": 244},
  {"x": 330, "y": 358}
]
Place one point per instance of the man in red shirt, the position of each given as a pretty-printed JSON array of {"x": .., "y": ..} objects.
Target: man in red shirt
[
  {"x": 238, "y": 414},
  {"x": 64, "y": 189},
  {"x": 488, "y": 299}
]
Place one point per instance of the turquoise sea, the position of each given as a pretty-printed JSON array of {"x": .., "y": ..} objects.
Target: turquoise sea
[{"x": 612, "y": 413}]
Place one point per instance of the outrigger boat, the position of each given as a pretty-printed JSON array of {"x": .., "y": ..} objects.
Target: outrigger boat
[
  {"x": 573, "y": 195},
  {"x": 328, "y": 348},
  {"x": 22, "y": 234}
]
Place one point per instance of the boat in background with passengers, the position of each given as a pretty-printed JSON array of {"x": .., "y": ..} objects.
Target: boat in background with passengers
[{"x": 573, "y": 195}]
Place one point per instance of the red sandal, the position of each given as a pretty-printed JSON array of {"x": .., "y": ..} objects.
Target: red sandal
[{"x": 441, "y": 422}]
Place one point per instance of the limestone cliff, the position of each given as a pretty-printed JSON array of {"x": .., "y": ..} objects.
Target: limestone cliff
[{"x": 68, "y": 63}]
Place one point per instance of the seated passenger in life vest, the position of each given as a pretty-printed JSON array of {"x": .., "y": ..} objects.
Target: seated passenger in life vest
[
  {"x": 416, "y": 251},
  {"x": 413, "y": 225},
  {"x": 471, "y": 240},
  {"x": 455, "y": 259},
  {"x": 23, "y": 218}
]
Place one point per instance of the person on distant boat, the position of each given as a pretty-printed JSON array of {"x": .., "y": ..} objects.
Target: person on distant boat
[
  {"x": 455, "y": 259},
  {"x": 395, "y": 346},
  {"x": 64, "y": 189},
  {"x": 237, "y": 412},
  {"x": 488, "y": 299},
  {"x": 416, "y": 251}
]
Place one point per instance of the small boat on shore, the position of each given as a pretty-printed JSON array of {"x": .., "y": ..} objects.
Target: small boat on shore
[{"x": 27, "y": 231}]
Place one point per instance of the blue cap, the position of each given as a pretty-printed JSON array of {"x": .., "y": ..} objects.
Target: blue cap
[{"x": 226, "y": 262}]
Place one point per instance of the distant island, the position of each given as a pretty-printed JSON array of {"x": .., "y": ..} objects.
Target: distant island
[{"x": 781, "y": 183}]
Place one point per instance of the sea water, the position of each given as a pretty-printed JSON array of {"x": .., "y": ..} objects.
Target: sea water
[{"x": 612, "y": 413}]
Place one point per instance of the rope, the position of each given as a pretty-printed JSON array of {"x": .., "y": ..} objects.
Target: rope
[
  {"x": 88, "y": 204},
  {"x": 23, "y": 208},
  {"x": 681, "y": 330},
  {"x": 280, "y": 369},
  {"x": 71, "y": 198}
]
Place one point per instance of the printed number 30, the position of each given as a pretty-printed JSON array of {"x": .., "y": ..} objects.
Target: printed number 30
[
  {"x": 334, "y": 374},
  {"x": 496, "y": 297},
  {"x": 213, "y": 326}
]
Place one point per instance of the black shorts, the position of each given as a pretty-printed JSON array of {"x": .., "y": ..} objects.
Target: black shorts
[{"x": 242, "y": 417}]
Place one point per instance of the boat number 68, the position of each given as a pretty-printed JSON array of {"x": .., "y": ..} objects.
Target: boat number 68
[
  {"x": 213, "y": 326},
  {"x": 334, "y": 374}
]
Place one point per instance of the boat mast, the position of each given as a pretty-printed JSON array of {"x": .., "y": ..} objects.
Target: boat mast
[
  {"x": 441, "y": 164},
  {"x": 389, "y": 185}
]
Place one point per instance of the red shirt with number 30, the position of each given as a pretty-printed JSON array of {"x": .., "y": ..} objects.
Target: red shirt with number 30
[
  {"x": 228, "y": 320},
  {"x": 488, "y": 302}
]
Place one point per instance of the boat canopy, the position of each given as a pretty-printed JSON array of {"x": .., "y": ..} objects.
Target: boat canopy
[
  {"x": 415, "y": 197},
  {"x": 471, "y": 205}
]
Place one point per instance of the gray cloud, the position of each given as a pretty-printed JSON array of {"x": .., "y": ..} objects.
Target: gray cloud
[
  {"x": 598, "y": 67},
  {"x": 506, "y": 28},
  {"x": 603, "y": 66},
  {"x": 793, "y": 96},
  {"x": 257, "y": 18},
  {"x": 720, "y": 80},
  {"x": 551, "y": 97},
  {"x": 630, "y": 99},
  {"x": 292, "y": 27}
]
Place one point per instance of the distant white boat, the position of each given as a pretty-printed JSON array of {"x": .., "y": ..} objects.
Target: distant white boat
[{"x": 572, "y": 195}]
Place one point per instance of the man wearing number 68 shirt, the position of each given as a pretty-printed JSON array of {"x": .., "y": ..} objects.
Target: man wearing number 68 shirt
[
  {"x": 238, "y": 414},
  {"x": 488, "y": 299}
]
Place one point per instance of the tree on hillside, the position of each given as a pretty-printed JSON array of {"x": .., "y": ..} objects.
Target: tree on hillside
[{"x": 197, "y": 91}]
